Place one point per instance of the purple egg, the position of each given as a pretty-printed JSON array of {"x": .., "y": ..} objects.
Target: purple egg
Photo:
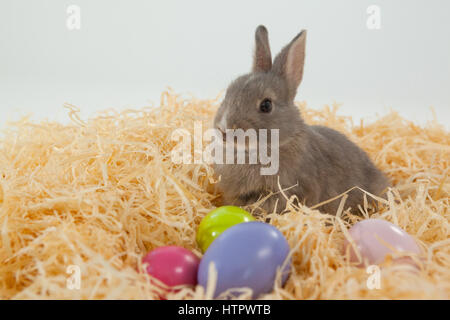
[
  {"x": 246, "y": 255},
  {"x": 376, "y": 238}
]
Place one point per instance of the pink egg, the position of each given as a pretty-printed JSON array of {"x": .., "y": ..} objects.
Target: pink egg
[
  {"x": 172, "y": 265},
  {"x": 376, "y": 238}
]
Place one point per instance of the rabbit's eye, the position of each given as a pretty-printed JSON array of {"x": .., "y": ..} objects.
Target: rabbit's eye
[{"x": 265, "y": 106}]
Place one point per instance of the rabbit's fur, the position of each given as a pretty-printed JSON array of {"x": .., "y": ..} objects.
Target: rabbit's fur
[{"x": 316, "y": 163}]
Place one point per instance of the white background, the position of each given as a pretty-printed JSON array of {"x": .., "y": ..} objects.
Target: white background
[{"x": 127, "y": 52}]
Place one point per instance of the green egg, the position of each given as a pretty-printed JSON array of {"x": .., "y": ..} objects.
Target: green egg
[{"x": 217, "y": 221}]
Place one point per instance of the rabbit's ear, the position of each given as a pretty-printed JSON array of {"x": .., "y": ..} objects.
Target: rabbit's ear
[
  {"x": 290, "y": 61},
  {"x": 262, "y": 59}
]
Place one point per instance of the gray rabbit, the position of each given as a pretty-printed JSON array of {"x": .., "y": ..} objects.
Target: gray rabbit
[{"x": 316, "y": 163}]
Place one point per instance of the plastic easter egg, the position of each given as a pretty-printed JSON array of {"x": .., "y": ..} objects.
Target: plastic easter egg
[
  {"x": 246, "y": 255},
  {"x": 376, "y": 238},
  {"x": 173, "y": 265},
  {"x": 217, "y": 221}
]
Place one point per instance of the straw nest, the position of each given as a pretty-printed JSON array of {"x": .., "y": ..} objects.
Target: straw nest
[{"x": 99, "y": 194}]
